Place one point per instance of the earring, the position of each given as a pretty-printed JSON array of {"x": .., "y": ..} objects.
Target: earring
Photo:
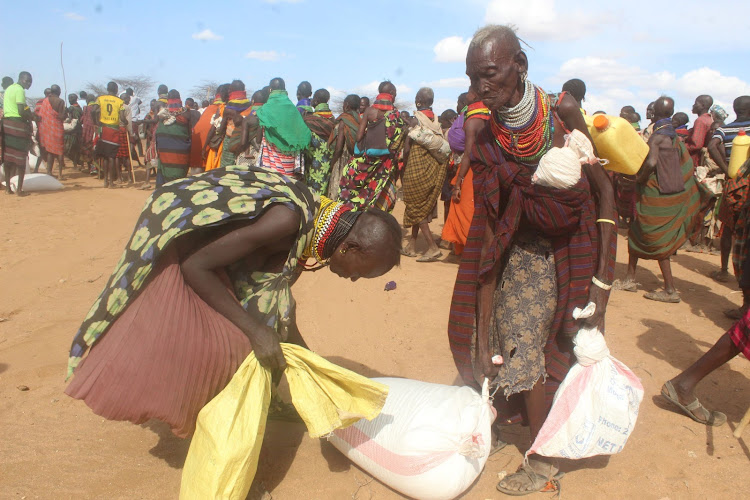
[
  {"x": 523, "y": 76},
  {"x": 342, "y": 251}
]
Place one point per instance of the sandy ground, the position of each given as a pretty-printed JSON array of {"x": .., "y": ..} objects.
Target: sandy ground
[{"x": 58, "y": 249}]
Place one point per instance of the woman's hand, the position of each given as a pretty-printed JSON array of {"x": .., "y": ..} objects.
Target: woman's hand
[
  {"x": 489, "y": 369},
  {"x": 267, "y": 350},
  {"x": 456, "y": 194},
  {"x": 599, "y": 297}
]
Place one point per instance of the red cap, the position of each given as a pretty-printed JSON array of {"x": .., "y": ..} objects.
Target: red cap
[{"x": 741, "y": 132}]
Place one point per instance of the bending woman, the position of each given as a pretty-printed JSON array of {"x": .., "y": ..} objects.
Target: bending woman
[{"x": 204, "y": 280}]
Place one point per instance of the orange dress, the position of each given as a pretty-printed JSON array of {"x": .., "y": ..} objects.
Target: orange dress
[
  {"x": 213, "y": 160},
  {"x": 456, "y": 227}
]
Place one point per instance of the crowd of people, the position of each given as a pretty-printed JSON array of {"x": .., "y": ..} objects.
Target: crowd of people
[{"x": 253, "y": 190}]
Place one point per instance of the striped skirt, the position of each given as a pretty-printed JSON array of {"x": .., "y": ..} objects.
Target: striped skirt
[
  {"x": 16, "y": 137},
  {"x": 664, "y": 221},
  {"x": 173, "y": 146}
]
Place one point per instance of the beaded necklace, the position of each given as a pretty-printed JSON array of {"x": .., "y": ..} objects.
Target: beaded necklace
[
  {"x": 332, "y": 224},
  {"x": 525, "y": 130}
]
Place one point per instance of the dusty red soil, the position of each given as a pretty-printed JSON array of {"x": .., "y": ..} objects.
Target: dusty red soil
[{"x": 57, "y": 250}]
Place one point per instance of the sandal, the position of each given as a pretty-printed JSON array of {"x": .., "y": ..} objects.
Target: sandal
[
  {"x": 720, "y": 276},
  {"x": 715, "y": 418},
  {"x": 625, "y": 285},
  {"x": 663, "y": 296},
  {"x": 408, "y": 253},
  {"x": 497, "y": 443},
  {"x": 431, "y": 258},
  {"x": 536, "y": 481}
]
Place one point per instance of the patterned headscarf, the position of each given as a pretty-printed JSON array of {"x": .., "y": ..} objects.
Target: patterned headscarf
[{"x": 718, "y": 113}]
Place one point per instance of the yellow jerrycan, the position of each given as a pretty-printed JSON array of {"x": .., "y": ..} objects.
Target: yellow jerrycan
[
  {"x": 740, "y": 153},
  {"x": 617, "y": 141}
]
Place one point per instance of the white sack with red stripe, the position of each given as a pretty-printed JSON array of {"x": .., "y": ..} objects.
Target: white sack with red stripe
[
  {"x": 430, "y": 442},
  {"x": 596, "y": 406}
]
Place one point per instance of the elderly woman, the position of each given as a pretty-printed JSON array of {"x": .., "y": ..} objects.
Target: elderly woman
[
  {"x": 204, "y": 280},
  {"x": 533, "y": 253}
]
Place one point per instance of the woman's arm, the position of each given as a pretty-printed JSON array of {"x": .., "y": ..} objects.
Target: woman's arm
[
  {"x": 485, "y": 310},
  {"x": 278, "y": 224},
  {"x": 471, "y": 129},
  {"x": 604, "y": 196},
  {"x": 339, "y": 150}
]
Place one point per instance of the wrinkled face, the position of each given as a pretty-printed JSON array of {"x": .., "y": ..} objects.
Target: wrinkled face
[
  {"x": 650, "y": 112},
  {"x": 353, "y": 264},
  {"x": 493, "y": 74}
]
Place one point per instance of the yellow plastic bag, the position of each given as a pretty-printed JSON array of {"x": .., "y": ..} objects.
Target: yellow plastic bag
[{"x": 223, "y": 455}]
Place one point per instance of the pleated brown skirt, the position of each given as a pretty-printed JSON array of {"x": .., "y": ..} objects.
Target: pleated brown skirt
[{"x": 166, "y": 356}]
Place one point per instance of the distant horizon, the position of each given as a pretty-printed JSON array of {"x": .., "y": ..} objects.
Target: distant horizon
[{"x": 347, "y": 48}]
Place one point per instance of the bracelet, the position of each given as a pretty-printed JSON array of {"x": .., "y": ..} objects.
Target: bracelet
[
  {"x": 608, "y": 221},
  {"x": 601, "y": 284}
]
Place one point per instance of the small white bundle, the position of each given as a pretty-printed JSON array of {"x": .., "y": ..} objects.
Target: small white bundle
[
  {"x": 559, "y": 168},
  {"x": 578, "y": 142}
]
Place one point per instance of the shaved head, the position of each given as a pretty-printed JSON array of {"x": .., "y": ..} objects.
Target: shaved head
[
  {"x": 352, "y": 101},
  {"x": 741, "y": 106},
  {"x": 425, "y": 97},
  {"x": 387, "y": 87},
  {"x": 663, "y": 107},
  {"x": 322, "y": 96},
  {"x": 277, "y": 84}
]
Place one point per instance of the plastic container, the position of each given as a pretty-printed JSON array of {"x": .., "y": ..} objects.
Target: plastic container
[
  {"x": 740, "y": 153},
  {"x": 617, "y": 141}
]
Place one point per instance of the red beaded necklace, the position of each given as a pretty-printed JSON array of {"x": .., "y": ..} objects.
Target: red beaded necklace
[{"x": 532, "y": 137}]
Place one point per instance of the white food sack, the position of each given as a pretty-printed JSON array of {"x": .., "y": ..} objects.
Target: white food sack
[
  {"x": 36, "y": 183},
  {"x": 595, "y": 408},
  {"x": 559, "y": 168},
  {"x": 430, "y": 442}
]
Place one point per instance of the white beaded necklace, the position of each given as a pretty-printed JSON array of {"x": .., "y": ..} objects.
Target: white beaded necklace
[{"x": 520, "y": 114}]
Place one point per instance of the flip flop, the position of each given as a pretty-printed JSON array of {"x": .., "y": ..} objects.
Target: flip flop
[
  {"x": 538, "y": 482},
  {"x": 497, "y": 445},
  {"x": 715, "y": 418},
  {"x": 430, "y": 258},
  {"x": 625, "y": 285},
  {"x": 663, "y": 296}
]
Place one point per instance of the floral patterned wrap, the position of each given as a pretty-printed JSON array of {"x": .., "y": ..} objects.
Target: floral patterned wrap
[{"x": 209, "y": 199}]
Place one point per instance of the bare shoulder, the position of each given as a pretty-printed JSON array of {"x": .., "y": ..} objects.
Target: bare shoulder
[
  {"x": 567, "y": 106},
  {"x": 286, "y": 219}
]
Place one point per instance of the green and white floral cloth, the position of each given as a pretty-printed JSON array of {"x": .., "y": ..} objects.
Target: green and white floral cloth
[{"x": 209, "y": 199}]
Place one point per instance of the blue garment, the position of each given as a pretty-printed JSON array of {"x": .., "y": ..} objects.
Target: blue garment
[{"x": 728, "y": 132}]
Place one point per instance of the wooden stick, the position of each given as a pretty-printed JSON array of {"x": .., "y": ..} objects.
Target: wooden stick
[
  {"x": 743, "y": 423},
  {"x": 130, "y": 153}
]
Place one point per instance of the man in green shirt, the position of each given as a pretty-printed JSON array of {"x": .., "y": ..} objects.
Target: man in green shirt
[{"x": 16, "y": 131}]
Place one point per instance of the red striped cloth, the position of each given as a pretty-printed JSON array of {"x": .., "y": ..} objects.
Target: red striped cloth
[
  {"x": 122, "y": 151},
  {"x": 272, "y": 158},
  {"x": 740, "y": 334},
  {"x": 51, "y": 129},
  {"x": 504, "y": 196}
]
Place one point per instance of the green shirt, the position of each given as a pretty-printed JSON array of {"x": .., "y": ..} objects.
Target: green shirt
[{"x": 14, "y": 95}]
